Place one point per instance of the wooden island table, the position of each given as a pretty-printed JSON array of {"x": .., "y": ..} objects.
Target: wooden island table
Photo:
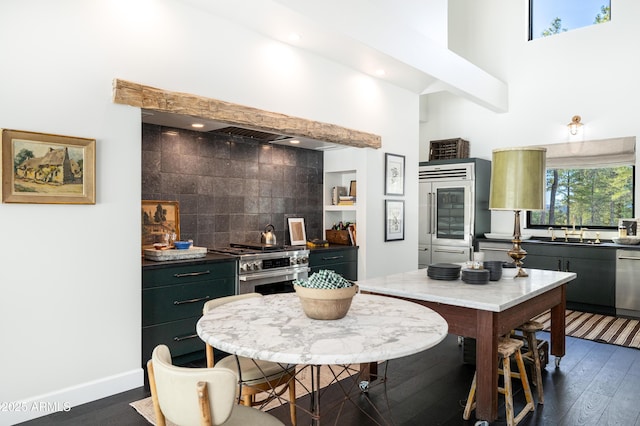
[{"x": 485, "y": 312}]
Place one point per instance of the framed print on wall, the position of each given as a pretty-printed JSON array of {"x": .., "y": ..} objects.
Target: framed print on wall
[
  {"x": 297, "y": 233},
  {"x": 393, "y": 174},
  {"x": 393, "y": 220},
  {"x": 41, "y": 168},
  {"x": 160, "y": 222}
]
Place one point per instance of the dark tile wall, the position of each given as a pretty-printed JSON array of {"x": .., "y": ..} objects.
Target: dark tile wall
[{"x": 230, "y": 187}]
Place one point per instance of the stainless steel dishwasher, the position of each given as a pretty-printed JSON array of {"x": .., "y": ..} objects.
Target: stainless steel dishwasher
[{"x": 628, "y": 283}]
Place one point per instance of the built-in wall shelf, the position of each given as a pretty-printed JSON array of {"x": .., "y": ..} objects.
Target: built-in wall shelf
[
  {"x": 333, "y": 208},
  {"x": 332, "y": 213}
]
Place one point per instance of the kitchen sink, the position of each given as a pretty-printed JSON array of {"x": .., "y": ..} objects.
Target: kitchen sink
[{"x": 573, "y": 242}]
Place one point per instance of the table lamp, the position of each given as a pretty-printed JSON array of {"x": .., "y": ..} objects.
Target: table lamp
[{"x": 517, "y": 183}]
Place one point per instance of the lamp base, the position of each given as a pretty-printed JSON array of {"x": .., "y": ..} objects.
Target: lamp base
[{"x": 517, "y": 253}]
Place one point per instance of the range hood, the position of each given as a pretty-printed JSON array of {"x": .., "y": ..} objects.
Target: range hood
[
  {"x": 183, "y": 121},
  {"x": 253, "y": 134}
]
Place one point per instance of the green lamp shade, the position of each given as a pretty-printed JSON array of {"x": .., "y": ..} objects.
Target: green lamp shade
[{"x": 518, "y": 179}]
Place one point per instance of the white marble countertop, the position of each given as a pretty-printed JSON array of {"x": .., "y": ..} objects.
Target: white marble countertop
[
  {"x": 274, "y": 328},
  {"x": 495, "y": 296}
]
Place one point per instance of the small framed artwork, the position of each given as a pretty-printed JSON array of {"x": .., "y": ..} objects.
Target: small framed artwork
[
  {"x": 160, "y": 222},
  {"x": 40, "y": 168},
  {"x": 393, "y": 220},
  {"x": 297, "y": 233},
  {"x": 393, "y": 174}
]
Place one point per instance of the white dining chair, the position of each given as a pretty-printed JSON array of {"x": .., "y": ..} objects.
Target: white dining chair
[{"x": 198, "y": 396}]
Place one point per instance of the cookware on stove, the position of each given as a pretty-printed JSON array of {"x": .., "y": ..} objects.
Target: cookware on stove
[{"x": 269, "y": 236}]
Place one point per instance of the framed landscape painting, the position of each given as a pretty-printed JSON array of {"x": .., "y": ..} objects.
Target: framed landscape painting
[
  {"x": 41, "y": 168},
  {"x": 160, "y": 222}
]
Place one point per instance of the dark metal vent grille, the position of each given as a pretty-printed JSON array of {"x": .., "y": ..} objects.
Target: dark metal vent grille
[{"x": 247, "y": 133}]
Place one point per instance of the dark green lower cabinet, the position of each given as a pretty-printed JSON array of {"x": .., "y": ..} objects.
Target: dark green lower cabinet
[
  {"x": 173, "y": 295},
  {"x": 594, "y": 289},
  {"x": 343, "y": 261}
]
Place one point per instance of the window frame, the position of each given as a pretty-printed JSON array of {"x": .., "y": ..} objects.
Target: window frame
[
  {"x": 529, "y": 225},
  {"x": 530, "y": 21}
]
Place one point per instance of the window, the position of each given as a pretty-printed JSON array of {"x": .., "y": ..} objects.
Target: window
[
  {"x": 589, "y": 183},
  {"x": 594, "y": 198},
  {"x": 549, "y": 17}
]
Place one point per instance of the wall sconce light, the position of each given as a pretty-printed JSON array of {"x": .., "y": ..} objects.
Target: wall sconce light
[{"x": 575, "y": 125}]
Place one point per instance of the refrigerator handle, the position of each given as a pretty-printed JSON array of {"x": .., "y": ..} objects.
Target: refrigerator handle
[{"x": 432, "y": 209}]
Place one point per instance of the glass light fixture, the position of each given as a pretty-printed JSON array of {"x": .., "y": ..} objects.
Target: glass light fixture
[
  {"x": 575, "y": 125},
  {"x": 518, "y": 183}
]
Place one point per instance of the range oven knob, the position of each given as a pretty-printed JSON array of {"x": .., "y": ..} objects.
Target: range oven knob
[
  {"x": 256, "y": 266},
  {"x": 244, "y": 267}
]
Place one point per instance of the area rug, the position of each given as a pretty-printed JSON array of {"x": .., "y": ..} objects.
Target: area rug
[
  {"x": 599, "y": 328},
  {"x": 144, "y": 407}
]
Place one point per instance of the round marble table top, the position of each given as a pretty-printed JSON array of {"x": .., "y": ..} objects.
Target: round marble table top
[{"x": 274, "y": 328}]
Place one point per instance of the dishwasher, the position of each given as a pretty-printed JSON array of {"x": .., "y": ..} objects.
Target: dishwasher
[{"x": 627, "y": 283}]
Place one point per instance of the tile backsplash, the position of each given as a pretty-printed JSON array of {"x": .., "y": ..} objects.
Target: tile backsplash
[{"x": 230, "y": 187}]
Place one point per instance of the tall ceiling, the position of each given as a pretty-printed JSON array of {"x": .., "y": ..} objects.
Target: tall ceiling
[{"x": 408, "y": 39}]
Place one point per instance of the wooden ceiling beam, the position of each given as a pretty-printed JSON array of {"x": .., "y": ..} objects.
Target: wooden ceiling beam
[{"x": 138, "y": 95}]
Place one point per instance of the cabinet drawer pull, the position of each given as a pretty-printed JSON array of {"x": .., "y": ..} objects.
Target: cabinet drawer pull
[
  {"x": 628, "y": 258},
  {"x": 180, "y": 339},
  {"x": 182, "y": 302},
  {"x": 494, "y": 249},
  {"x": 192, "y": 274},
  {"x": 332, "y": 258}
]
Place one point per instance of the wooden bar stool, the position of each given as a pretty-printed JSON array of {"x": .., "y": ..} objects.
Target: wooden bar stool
[
  {"x": 506, "y": 348},
  {"x": 529, "y": 330}
]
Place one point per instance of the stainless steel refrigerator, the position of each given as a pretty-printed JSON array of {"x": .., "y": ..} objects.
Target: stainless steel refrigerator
[{"x": 453, "y": 209}]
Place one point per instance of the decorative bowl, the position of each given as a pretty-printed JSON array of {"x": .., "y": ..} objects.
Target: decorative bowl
[
  {"x": 626, "y": 240},
  {"x": 326, "y": 304},
  {"x": 182, "y": 245}
]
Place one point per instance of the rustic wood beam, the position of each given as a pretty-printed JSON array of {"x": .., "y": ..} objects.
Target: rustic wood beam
[{"x": 138, "y": 95}]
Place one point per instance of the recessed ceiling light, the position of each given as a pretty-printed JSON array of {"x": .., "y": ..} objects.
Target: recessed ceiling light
[
  {"x": 294, "y": 37},
  {"x": 380, "y": 72},
  {"x": 197, "y": 125}
]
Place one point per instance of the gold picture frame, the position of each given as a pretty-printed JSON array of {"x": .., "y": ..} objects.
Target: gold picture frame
[
  {"x": 42, "y": 168},
  {"x": 160, "y": 221}
]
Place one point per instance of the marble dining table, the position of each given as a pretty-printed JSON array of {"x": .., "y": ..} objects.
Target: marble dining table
[
  {"x": 485, "y": 312},
  {"x": 275, "y": 328}
]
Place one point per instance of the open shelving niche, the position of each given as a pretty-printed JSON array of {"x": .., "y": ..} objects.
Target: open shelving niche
[{"x": 332, "y": 213}]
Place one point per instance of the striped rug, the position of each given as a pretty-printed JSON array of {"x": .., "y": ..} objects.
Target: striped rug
[{"x": 600, "y": 328}]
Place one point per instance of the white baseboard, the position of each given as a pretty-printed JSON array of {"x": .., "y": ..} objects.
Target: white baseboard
[{"x": 67, "y": 398}]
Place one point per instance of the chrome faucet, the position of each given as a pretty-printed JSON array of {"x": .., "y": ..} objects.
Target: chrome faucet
[{"x": 553, "y": 236}]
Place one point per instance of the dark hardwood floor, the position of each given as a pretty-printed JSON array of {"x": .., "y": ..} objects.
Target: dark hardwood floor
[{"x": 596, "y": 384}]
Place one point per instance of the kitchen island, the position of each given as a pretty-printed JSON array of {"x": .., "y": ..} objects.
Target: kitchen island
[{"x": 485, "y": 312}]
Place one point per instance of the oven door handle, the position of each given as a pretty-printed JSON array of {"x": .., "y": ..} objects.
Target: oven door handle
[{"x": 271, "y": 274}]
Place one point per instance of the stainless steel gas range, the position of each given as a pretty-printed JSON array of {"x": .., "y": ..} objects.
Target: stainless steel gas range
[{"x": 268, "y": 269}]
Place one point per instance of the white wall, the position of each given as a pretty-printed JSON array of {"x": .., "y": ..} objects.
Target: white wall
[
  {"x": 70, "y": 300},
  {"x": 591, "y": 72}
]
